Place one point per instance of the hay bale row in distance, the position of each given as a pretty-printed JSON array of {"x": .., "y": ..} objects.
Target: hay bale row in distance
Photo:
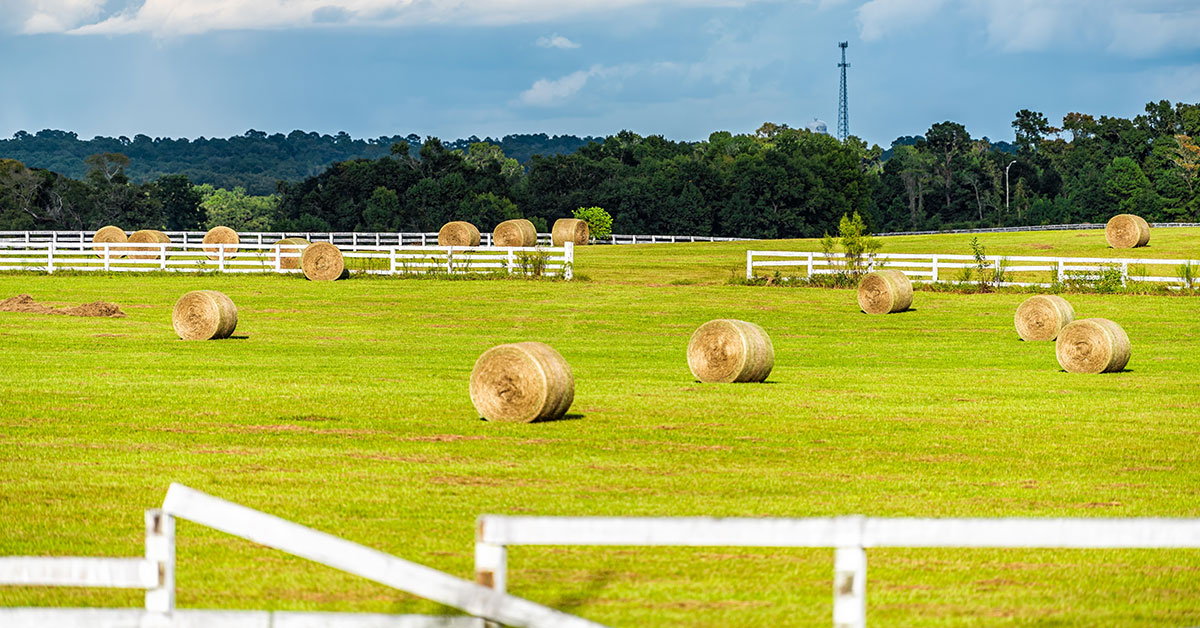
[
  {"x": 522, "y": 382},
  {"x": 517, "y": 232},
  {"x": 569, "y": 230},
  {"x": 322, "y": 261},
  {"x": 109, "y": 234},
  {"x": 885, "y": 292},
  {"x": 285, "y": 260},
  {"x": 1042, "y": 317},
  {"x": 1127, "y": 231},
  {"x": 204, "y": 315},
  {"x": 1092, "y": 345},
  {"x": 458, "y": 233},
  {"x": 727, "y": 350},
  {"x": 221, "y": 235},
  {"x": 149, "y": 236}
]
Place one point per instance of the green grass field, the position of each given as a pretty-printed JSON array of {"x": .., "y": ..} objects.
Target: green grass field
[{"x": 344, "y": 407}]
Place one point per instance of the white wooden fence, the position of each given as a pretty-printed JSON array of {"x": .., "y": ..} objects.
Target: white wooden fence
[
  {"x": 1018, "y": 270},
  {"x": 51, "y": 256},
  {"x": 156, "y": 574},
  {"x": 344, "y": 238},
  {"x": 848, "y": 536}
]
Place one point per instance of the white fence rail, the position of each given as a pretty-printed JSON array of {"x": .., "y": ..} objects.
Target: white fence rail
[
  {"x": 343, "y": 238},
  {"x": 848, "y": 536},
  {"x": 157, "y": 575},
  {"x": 255, "y": 258},
  {"x": 1070, "y": 227},
  {"x": 1016, "y": 270}
]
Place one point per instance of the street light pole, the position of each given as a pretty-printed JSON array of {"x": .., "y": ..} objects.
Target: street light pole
[{"x": 1007, "y": 207}]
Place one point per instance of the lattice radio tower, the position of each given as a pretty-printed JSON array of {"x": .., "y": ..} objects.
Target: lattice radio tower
[{"x": 843, "y": 123}]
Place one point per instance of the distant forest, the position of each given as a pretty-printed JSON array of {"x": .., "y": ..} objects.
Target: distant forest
[
  {"x": 777, "y": 182},
  {"x": 253, "y": 161}
]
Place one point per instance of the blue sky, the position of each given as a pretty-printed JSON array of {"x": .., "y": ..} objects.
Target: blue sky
[{"x": 680, "y": 68}]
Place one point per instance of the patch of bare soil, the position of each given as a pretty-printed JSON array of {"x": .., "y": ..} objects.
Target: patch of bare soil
[{"x": 25, "y": 303}]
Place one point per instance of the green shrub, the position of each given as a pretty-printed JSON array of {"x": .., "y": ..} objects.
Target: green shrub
[{"x": 599, "y": 221}]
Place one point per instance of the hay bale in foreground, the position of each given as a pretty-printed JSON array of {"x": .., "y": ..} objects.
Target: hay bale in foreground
[
  {"x": 150, "y": 236},
  {"x": 109, "y": 234},
  {"x": 204, "y": 315},
  {"x": 285, "y": 259},
  {"x": 570, "y": 230},
  {"x": 322, "y": 261},
  {"x": 1127, "y": 231},
  {"x": 1092, "y": 345},
  {"x": 727, "y": 350},
  {"x": 884, "y": 292},
  {"x": 522, "y": 383},
  {"x": 221, "y": 235},
  {"x": 458, "y": 233},
  {"x": 518, "y": 232},
  {"x": 1042, "y": 317}
]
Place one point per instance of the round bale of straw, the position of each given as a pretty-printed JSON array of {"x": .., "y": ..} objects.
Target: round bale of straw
[
  {"x": 286, "y": 259},
  {"x": 570, "y": 230},
  {"x": 152, "y": 236},
  {"x": 204, "y": 315},
  {"x": 727, "y": 350},
  {"x": 1092, "y": 345},
  {"x": 521, "y": 383},
  {"x": 322, "y": 261},
  {"x": 884, "y": 292},
  {"x": 1042, "y": 317},
  {"x": 1126, "y": 231},
  {"x": 221, "y": 235},
  {"x": 518, "y": 232},
  {"x": 109, "y": 234},
  {"x": 458, "y": 233}
]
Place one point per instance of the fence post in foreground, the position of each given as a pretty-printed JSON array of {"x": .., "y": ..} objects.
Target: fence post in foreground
[
  {"x": 160, "y": 548},
  {"x": 568, "y": 260},
  {"x": 221, "y": 257},
  {"x": 1124, "y": 273},
  {"x": 934, "y": 278},
  {"x": 511, "y": 262},
  {"x": 849, "y": 587},
  {"x": 50, "y": 258},
  {"x": 749, "y": 265}
]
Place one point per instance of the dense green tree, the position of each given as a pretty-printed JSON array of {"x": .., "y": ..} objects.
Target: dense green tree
[{"x": 180, "y": 201}]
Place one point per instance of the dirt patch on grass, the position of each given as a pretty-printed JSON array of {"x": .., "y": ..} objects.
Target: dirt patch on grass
[
  {"x": 25, "y": 303},
  {"x": 439, "y": 438}
]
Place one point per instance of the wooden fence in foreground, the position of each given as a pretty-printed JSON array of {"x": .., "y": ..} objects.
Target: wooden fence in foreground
[
  {"x": 486, "y": 599},
  {"x": 272, "y": 258},
  {"x": 848, "y": 536},
  {"x": 156, "y": 574},
  {"x": 1010, "y": 270}
]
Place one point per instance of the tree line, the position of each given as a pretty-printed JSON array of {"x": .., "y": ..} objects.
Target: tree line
[{"x": 778, "y": 182}]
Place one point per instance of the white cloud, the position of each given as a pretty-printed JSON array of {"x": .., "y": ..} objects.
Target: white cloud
[
  {"x": 49, "y": 16},
  {"x": 1135, "y": 28},
  {"x": 553, "y": 92},
  {"x": 877, "y": 18},
  {"x": 556, "y": 41},
  {"x": 181, "y": 17}
]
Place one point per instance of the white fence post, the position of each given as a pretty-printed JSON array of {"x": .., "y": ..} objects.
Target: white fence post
[
  {"x": 568, "y": 259},
  {"x": 934, "y": 267},
  {"x": 511, "y": 262},
  {"x": 160, "y": 548},
  {"x": 1124, "y": 273},
  {"x": 221, "y": 257},
  {"x": 849, "y": 587},
  {"x": 50, "y": 258},
  {"x": 392, "y": 257},
  {"x": 749, "y": 265}
]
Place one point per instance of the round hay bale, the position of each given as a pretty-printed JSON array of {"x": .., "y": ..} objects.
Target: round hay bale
[
  {"x": 221, "y": 235},
  {"x": 1042, "y": 317},
  {"x": 458, "y": 233},
  {"x": 322, "y": 261},
  {"x": 1092, "y": 345},
  {"x": 522, "y": 383},
  {"x": 518, "y": 232},
  {"x": 285, "y": 261},
  {"x": 204, "y": 315},
  {"x": 1126, "y": 231},
  {"x": 570, "y": 230},
  {"x": 149, "y": 236},
  {"x": 884, "y": 292},
  {"x": 109, "y": 234},
  {"x": 727, "y": 350}
]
